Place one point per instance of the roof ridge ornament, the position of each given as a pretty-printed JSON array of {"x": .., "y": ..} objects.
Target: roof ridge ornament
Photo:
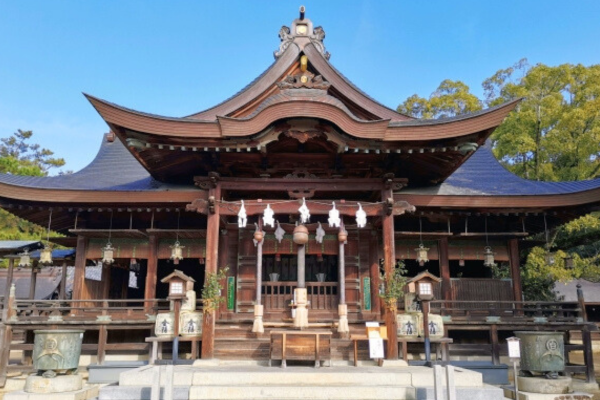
[{"x": 302, "y": 33}]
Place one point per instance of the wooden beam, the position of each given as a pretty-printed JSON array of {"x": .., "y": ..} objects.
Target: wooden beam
[
  {"x": 501, "y": 234},
  {"x": 256, "y": 207},
  {"x": 285, "y": 184}
]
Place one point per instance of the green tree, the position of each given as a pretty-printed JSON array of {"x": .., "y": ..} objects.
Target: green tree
[
  {"x": 554, "y": 133},
  {"x": 451, "y": 98},
  {"x": 19, "y": 157}
]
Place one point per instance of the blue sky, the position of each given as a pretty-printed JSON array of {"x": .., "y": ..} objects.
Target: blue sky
[{"x": 178, "y": 57}]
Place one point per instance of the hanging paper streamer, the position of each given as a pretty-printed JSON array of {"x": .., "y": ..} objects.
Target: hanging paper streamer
[
  {"x": 268, "y": 214},
  {"x": 279, "y": 232},
  {"x": 242, "y": 216},
  {"x": 361, "y": 217},
  {"x": 304, "y": 212},
  {"x": 334, "y": 217},
  {"x": 320, "y": 233}
]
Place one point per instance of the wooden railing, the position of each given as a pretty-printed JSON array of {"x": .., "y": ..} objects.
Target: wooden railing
[
  {"x": 509, "y": 310},
  {"x": 321, "y": 295},
  {"x": 86, "y": 310}
]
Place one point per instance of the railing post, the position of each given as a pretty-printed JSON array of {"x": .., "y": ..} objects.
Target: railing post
[
  {"x": 581, "y": 301},
  {"x": 102, "y": 338},
  {"x": 588, "y": 355},
  {"x": 5, "y": 340}
]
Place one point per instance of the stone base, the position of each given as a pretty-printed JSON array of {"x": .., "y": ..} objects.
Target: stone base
[
  {"x": 58, "y": 384},
  {"x": 561, "y": 385},
  {"x": 510, "y": 393},
  {"x": 86, "y": 393}
]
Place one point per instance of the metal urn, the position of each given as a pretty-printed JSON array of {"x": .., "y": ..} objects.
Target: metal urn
[
  {"x": 57, "y": 351},
  {"x": 542, "y": 353}
]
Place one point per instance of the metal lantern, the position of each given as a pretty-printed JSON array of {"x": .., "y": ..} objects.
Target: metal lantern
[
  {"x": 461, "y": 261},
  {"x": 422, "y": 254},
  {"x": 46, "y": 256},
  {"x": 488, "y": 257},
  {"x": 25, "y": 260},
  {"x": 300, "y": 235},
  {"x": 277, "y": 257},
  {"x": 176, "y": 252},
  {"x": 107, "y": 254}
]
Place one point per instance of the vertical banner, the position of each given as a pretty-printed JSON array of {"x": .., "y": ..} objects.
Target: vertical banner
[
  {"x": 367, "y": 293},
  {"x": 230, "y": 292}
]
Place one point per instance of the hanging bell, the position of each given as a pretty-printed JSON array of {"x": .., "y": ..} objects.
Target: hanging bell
[{"x": 300, "y": 235}]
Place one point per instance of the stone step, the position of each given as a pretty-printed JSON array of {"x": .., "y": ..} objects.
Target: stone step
[
  {"x": 329, "y": 392},
  {"x": 114, "y": 392},
  {"x": 485, "y": 392},
  {"x": 213, "y": 373}
]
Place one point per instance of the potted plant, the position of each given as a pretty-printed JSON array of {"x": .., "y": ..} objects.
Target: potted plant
[
  {"x": 393, "y": 286},
  {"x": 211, "y": 293}
]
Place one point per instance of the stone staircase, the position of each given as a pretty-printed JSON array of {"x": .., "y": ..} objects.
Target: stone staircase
[{"x": 223, "y": 380}]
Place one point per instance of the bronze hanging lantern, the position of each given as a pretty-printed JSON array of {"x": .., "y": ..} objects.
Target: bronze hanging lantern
[
  {"x": 25, "y": 259},
  {"x": 46, "y": 253},
  {"x": 461, "y": 260},
  {"x": 277, "y": 257},
  {"x": 177, "y": 248},
  {"x": 422, "y": 254},
  {"x": 108, "y": 253},
  {"x": 46, "y": 256},
  {"x": 176, "y": 252},
  {"x": 300, "y": 235},
  {"x": 488, "y": 257}
]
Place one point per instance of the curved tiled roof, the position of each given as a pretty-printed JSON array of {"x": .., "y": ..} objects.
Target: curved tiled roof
[
  {"x": 113, "y": 169},
  {"x": 483, "y": 175}
]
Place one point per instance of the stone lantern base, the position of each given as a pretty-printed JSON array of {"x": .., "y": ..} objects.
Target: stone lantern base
[{"x": 58, "y": 384}]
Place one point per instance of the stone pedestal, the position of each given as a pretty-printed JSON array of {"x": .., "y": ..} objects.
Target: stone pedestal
[
  {"x": 343, "y": 313},
  {"x": 561, "y": 385},
  {"x": 58, "y": 384},
  {"x": 258, "y": 326},
  {"x": 301, "y": 315}
]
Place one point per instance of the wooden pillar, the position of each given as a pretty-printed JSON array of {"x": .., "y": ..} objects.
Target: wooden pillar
[
  {"x": 212, "y": 258},
  {"x": 374, "y": 273},
  {"x": 78, "y": 279},
  {"x": 9, "y": 279},
  {"x": 259, "y": 256},
  {"x": 389, "y": 257},
  {"x": 301, "y": 266},
  {"x": 151, "y": 271},
  {"x": 445, "y": 269},
  {"x": 5, "y": 340},
  {"x": 342, "y": 271},
  {"x": 62, "y": 294},
  {"x": 515, "y": 271},
  {"x": 588, "y": 355},
  {"x": 494, "y": 344},
  {"x": 102, "y": 337},
  {"x": 33, "y": 282}
]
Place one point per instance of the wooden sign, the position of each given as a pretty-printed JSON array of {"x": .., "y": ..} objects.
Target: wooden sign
[
  {"x": 367, "y": 293},
  {"x": 230, "y": 292}
]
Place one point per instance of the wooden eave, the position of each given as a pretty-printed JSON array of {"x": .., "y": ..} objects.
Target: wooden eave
[
  {"x": 110, "y": 233},
  {"x": 494, "y": 202},
  {"x": 168, "y": 129},
  {"x": 62, "y": 196}
]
